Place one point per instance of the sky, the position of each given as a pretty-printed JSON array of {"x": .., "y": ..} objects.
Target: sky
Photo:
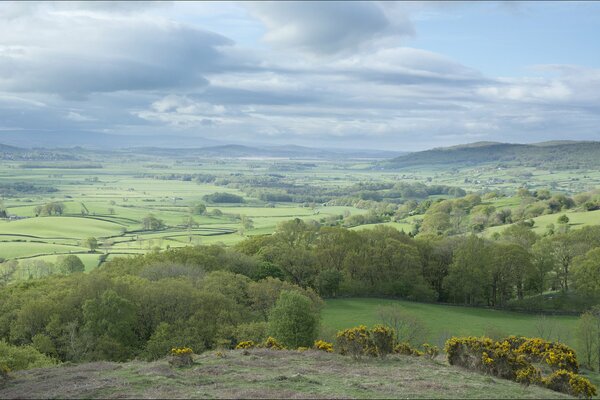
[{"x": 399, "y": 76}]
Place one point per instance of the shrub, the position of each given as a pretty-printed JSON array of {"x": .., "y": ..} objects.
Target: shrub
[
  {"x": 4, "y": 370},
  {"x": 324, "y": 346},
  {"x": 383, "y": 339},
  {"x": 568, "y": 382},
  {"x": 181, "y": 356},
  {"x": 293, "y": 320},
  {"x": 405, "y": 349},
  {"x": 272, "y": 343},
  {"x": 430, "y": 352},
  {"x": 248, "y": 344},
  {"x": 354, "y": 341},
  {"x": 523, "y": 360},
  {"x": 14, "y": 358}
]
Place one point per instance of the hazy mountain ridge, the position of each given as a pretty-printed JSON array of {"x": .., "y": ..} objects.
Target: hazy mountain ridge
[
  {"x": 282, "y": 151},
  {"x": 558, "y": 154}
]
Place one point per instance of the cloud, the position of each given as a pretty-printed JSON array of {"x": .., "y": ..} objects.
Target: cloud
[
  {"x": 326, "y": 28},
  {"x": 74, "y": 53},
  {"x": 332, "y": 73}
]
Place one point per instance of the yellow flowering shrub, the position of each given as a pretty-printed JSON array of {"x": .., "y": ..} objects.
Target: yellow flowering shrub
[
  {"x": 529, "y": 375},
  {"x": 323, "y": 346},
  {"x": 181, "y": 356},
  {"x": 248, "y": 344},
  {"x": 302, "y": 349},
  {"x": 430, "y": 352},
  {"x": 383, "y": 339},
  {"x": 570, "y": 383},
  {"x": 272, "y": 343},
  {"x": 523, "y": 360},
  {"x": 406, "y": 349},
  {"x": 181, "y": 351},
  {"x": 354, "y": 341}
]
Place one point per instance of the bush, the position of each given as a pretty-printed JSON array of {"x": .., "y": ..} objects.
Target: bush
[
  {"x": 247, "y": 344},
  {"x": 568, "y": 382},
  {"x": 523, "y": 360},
  {"x": 354, "y": 342},
  {"x": 323, "y": 346},
  {"x": 384, "y": 339},
  {"x": 251, "y": 331},
  {"x": 272, "y": 343},
  {"x": 15, "y": 358},
  {"x": 405, "y": 349},
  {"x": 293, "y": 320},
  {"x": 430, "y": 352},
  {"x": 181, "y": 356}
]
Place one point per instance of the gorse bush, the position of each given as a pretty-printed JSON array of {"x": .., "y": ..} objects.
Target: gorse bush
[
  {"x": 406, "y": 349},
  {"x": 376, "y": 342},
  {"x": 323, "y": 346},
  {"x": 355, "y": 342},
  {"x": 247, "y": 344},
  {"x": 272, "y": 343},
  {"x": 525, "y": 360},
  {"x": 181, "y": 356}
]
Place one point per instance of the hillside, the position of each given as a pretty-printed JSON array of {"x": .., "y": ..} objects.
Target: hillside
[
  {"x": 289, "y": 151},
  {"x": 562, "y": 154},
  {"x": 267, "y": 374}
]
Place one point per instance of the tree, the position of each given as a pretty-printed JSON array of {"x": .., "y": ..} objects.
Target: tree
[
  {"x": 91, "y": 243},
  {"x": 109, "y": 324},
  {"x": 151, "y": 223},
  {"x": 198, "y": 209},
  {"x": 467, "y": 273},
  {"x": 408, "y": 327},
  {"x": 563, "y": 219},
  {"x": 586, "y": 273},
  {"x": 328, "y": 282},
  {"x": 69, "y": 264},
  {"x": 587, "y": 336},
  {"x": 293, "y": 320}
]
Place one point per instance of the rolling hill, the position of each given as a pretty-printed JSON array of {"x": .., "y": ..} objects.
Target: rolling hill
[{"x": 558, "y": 154}]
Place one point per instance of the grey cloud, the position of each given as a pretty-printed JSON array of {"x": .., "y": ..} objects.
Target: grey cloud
[
  {"x": 74, "y": 55},
  {"x": 327, "y": 27}
]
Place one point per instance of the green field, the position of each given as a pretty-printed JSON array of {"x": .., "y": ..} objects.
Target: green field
[
  {"x": 110, "y": 203},
  {"x": 444, "y": 321}
]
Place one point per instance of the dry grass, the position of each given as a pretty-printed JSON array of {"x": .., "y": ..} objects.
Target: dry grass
[{"x": 266, "y": 374}]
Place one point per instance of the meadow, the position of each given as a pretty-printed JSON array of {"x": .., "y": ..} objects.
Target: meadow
[{"x": 444, "y": 321}]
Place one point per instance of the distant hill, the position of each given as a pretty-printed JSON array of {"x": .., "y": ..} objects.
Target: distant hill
[
  {"x": 557, "y": 154},
  {"x": 289, "y": 151},
  {"x": 19, "y": 154}
]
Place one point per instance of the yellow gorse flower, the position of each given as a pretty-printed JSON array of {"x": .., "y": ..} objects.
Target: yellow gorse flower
[{"x": 181, "y": 351}]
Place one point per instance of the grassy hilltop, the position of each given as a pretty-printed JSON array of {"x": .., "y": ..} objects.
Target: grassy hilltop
[{"x": 268, "y": 374}]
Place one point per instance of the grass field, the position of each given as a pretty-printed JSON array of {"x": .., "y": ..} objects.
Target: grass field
[
  {"x": 268, "y": 374},
  {"x": 444, "y": 321},
  {"x": 109, "y": 203}
]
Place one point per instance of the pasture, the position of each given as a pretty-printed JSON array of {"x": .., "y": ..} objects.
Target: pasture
[{"x": 443, "y": 321}]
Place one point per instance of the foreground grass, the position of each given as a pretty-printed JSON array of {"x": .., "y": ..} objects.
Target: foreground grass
[{"x": 267, "y": 374}]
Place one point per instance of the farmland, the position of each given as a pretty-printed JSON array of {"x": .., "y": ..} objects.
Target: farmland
[{"x": 108, "y": 196}]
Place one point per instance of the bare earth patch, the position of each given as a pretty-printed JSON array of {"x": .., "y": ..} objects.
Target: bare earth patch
[{"x": 266, "y": 374}]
